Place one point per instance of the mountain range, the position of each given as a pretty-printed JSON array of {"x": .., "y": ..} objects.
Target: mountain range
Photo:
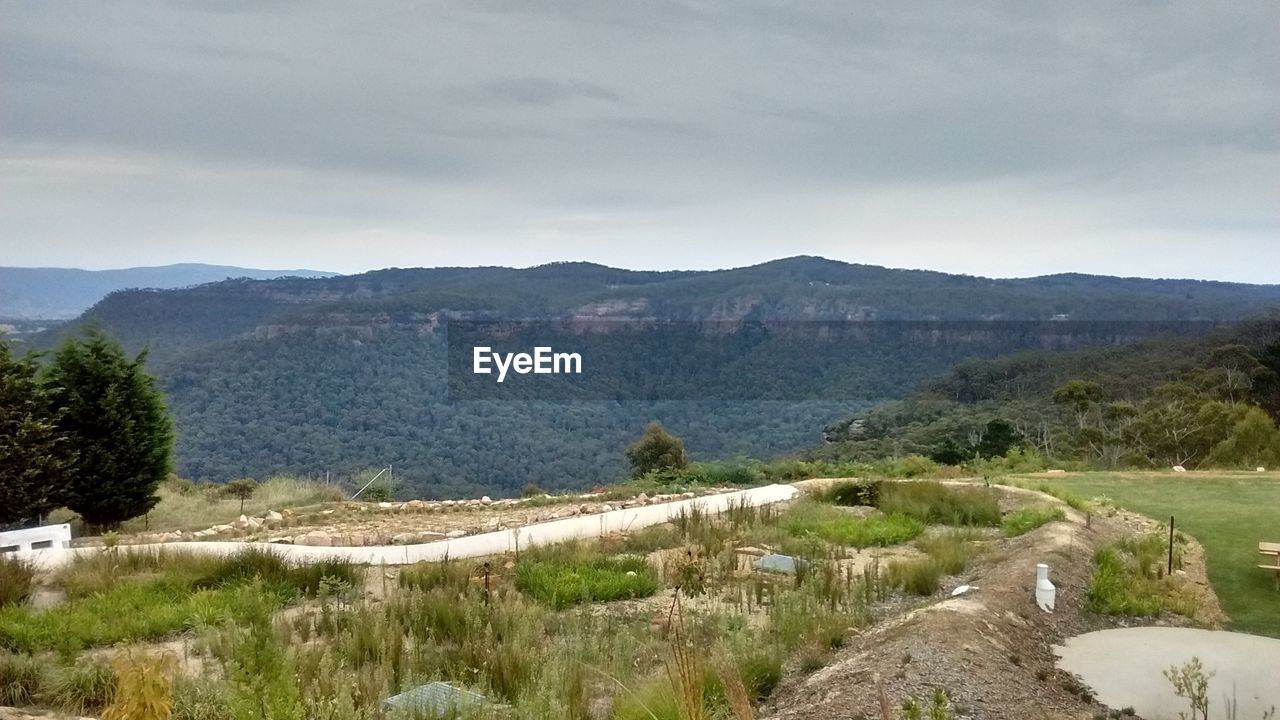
[
  {"x": 63, "y": 293},
  {"x": 336, "y": 375}
]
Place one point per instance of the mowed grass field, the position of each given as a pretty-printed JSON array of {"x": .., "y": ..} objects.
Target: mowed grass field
[{"x": 1228, "y": 512}]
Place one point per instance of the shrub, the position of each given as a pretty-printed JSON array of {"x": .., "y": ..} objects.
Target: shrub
[
  {"x": 852, "y": 493},
  {"x": 22, "y": 679},
  {"x": 655, "y": 450},
  {"x": 561, "y": 584},
  {"x": 1020, "y": 522},
  {"x": 933, "y": 502},
  {"x": 17, "y": 580},
  {"x": 727, "y": 473}
]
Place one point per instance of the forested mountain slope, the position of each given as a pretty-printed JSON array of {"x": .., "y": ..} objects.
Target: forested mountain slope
[{"x": 344, "y": 373}]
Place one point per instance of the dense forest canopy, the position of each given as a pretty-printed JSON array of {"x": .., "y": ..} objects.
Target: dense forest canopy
[{"x": 335, "y": 375}]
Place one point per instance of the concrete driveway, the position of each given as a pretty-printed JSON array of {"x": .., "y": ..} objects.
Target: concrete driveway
[{"x": 1125, "y": 668}]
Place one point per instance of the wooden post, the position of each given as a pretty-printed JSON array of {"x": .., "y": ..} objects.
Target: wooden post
[{"x": 1170, "y": 546}]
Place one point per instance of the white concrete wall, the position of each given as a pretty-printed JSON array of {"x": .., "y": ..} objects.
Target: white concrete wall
[
  {"x": 59, "y": 536},
  {"x": 492, "y": 543}
]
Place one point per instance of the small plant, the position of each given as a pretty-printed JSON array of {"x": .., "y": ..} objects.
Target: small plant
[
  {"x": 939, "y": 708},
  {"x": 561, "y": 583},
  {"x": 1191, "y": 682},
  {"x": 144, "y": 690}
]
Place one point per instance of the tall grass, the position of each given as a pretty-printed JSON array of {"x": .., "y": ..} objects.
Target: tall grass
[
  {"x": 1024, "y": 520},
  {"x": 185, "y": 506},
  {"x": 1125, "y": 584},
  {"x": 17, "y": 580},
  {"x": 934, "y": 503}
]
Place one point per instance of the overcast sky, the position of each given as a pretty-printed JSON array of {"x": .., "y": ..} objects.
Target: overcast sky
[{"x": 993, "y": 138}]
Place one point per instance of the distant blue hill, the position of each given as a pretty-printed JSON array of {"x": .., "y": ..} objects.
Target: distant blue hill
[{"x": 63, "y": 293}]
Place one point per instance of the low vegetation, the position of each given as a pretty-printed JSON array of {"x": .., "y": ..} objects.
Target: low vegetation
[
  {"x": 121, "y": 596},
  {"x": 935, "y": 503},
  {"x": 1228, "y": 513},
  {"x": 1130, "y": 578},
  {"x": 837, "y": 526},
  {"x": 1024, "y": 520},
  {"x": 561, "y": 581}
]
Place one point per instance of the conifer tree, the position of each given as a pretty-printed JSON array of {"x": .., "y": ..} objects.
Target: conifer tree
[
  {"x": 34, "y": 457},
  {"x": 112, "y": 415}
]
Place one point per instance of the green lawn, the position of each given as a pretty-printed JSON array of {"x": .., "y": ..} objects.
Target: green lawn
[{"x": 1228, "y": 512}]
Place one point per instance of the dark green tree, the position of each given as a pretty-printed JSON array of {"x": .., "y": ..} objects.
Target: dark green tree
[
  {"x": 115, "y": 419},
  {"x": 657, "y": 449},
  {"x": 36, "y": 457}
]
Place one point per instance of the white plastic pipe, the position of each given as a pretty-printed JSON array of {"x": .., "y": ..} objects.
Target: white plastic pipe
[{"x": 1046, "y": 593}]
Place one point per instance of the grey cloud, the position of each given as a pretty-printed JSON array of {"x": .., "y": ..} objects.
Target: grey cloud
[{"x": 494, "y": 121}]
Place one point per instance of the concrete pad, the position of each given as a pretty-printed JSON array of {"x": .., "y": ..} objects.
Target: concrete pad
[{"x": 1126, "y": 667}]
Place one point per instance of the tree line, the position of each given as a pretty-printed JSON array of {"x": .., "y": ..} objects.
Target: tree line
[
  {"x": 87, "y": 430},
  {"x": 1190, "y": 402}
]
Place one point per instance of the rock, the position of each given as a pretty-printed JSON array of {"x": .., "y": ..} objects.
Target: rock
[
  {"x": 1055, "y": 471},
  {"x": 431, "y": 536},
  {"x": 385, "y": 505},
  {"x": 486, "y": 500},
  {"x": 606, "y": 508},
  {"x": 254, "y": 523},
  {"x": 315, "y": 537},
  {"x": 1261, "y": 469},
  {"x": 286, "y": 512},
  {"x": 454, "y": 534},
  {"x": 219, "y": 529},
  {"x": 282, "y": 540},
  {"x": 750, "y": 550},
  {"x": 584, "y": 509},
  {"x": 1179, "y": 468},
  {"x": 274, "y": 517},
  {"x": 404, "y": 539},
  {"x": 448, "y": 503},
  {"x": 415, "y": 505},
  {"x": 643, "y": 499}
]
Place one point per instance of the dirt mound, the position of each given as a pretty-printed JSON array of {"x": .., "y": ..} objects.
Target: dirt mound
[{"x": 990, "y": 649}]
